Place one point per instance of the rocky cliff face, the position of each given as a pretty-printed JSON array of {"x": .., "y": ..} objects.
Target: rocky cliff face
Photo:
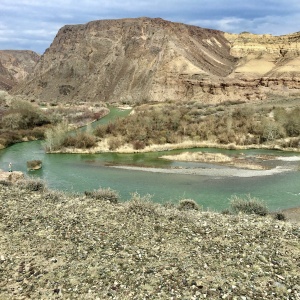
[
  {"x": 15, "y": 66},
  {"x": 144, "y": 59}
]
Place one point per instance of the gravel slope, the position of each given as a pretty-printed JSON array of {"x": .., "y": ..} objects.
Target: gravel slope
[{"x": 54, "y": 246}]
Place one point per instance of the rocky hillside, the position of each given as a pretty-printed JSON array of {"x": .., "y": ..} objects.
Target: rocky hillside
[
  {"x": 144, "y": 59},
  {"x": 15, "y": 65}
]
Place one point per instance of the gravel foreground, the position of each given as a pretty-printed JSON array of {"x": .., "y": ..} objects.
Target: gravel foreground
[{"x": 58, "y": 246}]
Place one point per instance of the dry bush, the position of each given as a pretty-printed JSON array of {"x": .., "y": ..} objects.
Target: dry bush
[
  {"x": 106, "y": 194},
  {"x": 55, "y": 136},
  {"x": 137, "y": 145},
  {"x": 141, "y": 205},
  {"x": 280, "y": 216},
  {"x": 188, "y": 204},
  {"x": 248, "y": 206},
  {"x": 23, "y": 115},
  {"x": 114, "y": 142},
  {"x": 32, "y": 185},
  {"x": 81, "y": 140}
]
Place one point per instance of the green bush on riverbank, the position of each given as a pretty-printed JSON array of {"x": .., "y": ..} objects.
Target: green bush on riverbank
[
  {"x": 172, "y": 123},
  {"x": 24, "y": 119}
]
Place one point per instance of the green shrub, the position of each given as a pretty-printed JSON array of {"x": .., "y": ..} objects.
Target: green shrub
[
  {"x": 188, "y": 204},
  {"x": 106, "y": 194},
  {"x": 248, "y": 206}
]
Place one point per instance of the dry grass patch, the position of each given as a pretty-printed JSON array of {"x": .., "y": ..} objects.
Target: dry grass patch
[
  {"x": 218, "y": 158},
  {"x": 200, "y": 156}
]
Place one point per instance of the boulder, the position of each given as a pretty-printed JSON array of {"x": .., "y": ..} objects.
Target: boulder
[{"x": 34, "y": 165}]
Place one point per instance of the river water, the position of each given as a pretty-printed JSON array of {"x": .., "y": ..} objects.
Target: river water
[{"x": 81, "y": 172}]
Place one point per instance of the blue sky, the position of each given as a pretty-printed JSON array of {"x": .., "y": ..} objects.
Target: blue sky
[{"x": 33, "y": 24}]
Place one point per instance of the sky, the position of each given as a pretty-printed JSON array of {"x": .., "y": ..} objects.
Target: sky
[{"x": 33, "y": 24}]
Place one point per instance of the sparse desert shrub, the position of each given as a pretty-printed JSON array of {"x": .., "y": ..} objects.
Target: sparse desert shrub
[
  {"x": 169, "y": 205},
  {"x": 138, "y": 145},
  {"x": 280, "y": 216},
  {"x": 100, "y": 131},
  {"x": 248, "y": 206},
  {"x": 106, "y": 194},
  {"x": 272, "y": 130},
  {"x": 226, "y": 211},
  {"x": 53, "y": 195},
  {"x": 292, "y": 124},
  {"x": 114, "y": 143},
  {"x": 81, "y": 140},
  {"x": 24, "y": 115},
  {"x": 188, "y": 204},
  {"x": 33, "y": 185},
  {"x": 141, "y": 205},
  {"x": 5, "y": 182},
  {"x": 55, "y": 136}
]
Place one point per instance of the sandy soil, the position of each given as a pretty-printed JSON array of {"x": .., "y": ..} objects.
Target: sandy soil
[
  {"x": 216, "y": 158},
  {"x": 217, "y": 172},
  {"x": 102, "y": 146},
  {"x": 292, "y": 214}
]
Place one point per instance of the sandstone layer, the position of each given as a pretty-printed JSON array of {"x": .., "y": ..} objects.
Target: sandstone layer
[{"x": 144, "y": 59}]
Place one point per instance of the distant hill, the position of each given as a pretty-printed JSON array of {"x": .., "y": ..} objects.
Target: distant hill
[
  {"x": 145, "y": 59},
  {"x": 15, "y": 65}
]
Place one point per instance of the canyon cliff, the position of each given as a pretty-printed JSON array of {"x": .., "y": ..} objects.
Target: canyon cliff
[
  {"x": 144, "y": 59},
  {"x": 15, "y": 65}
]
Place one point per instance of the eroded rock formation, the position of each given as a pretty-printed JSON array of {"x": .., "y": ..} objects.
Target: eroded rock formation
[
  {"x": 144, "y": 59},
  {"x": 15, "y": 65}
]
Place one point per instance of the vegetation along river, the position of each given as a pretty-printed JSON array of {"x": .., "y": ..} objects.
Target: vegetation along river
[{"x": 211, "y": 189}]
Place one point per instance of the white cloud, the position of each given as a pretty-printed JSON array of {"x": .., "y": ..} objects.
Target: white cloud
[{"x": 27, "y": 23}]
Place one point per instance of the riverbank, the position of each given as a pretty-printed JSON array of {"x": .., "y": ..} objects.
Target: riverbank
[
  {"x": 72, "y": 246},
  {"x": 103, "y": 147},
  {"x": 217, "y": 158},
  {"x": 10, "y": 176},
  {"x": 292, "y": 214}
]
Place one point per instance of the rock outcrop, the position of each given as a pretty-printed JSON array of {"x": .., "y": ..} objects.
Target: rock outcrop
[
  {"x": 15, "y": 65},
  {"x": 11, "y": 177},
  {"x": 144, "y": 59},
  {"x": 33, "y": 165}
]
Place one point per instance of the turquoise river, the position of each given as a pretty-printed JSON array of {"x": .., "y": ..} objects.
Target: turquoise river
[{"x": 82, "y": 172}]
